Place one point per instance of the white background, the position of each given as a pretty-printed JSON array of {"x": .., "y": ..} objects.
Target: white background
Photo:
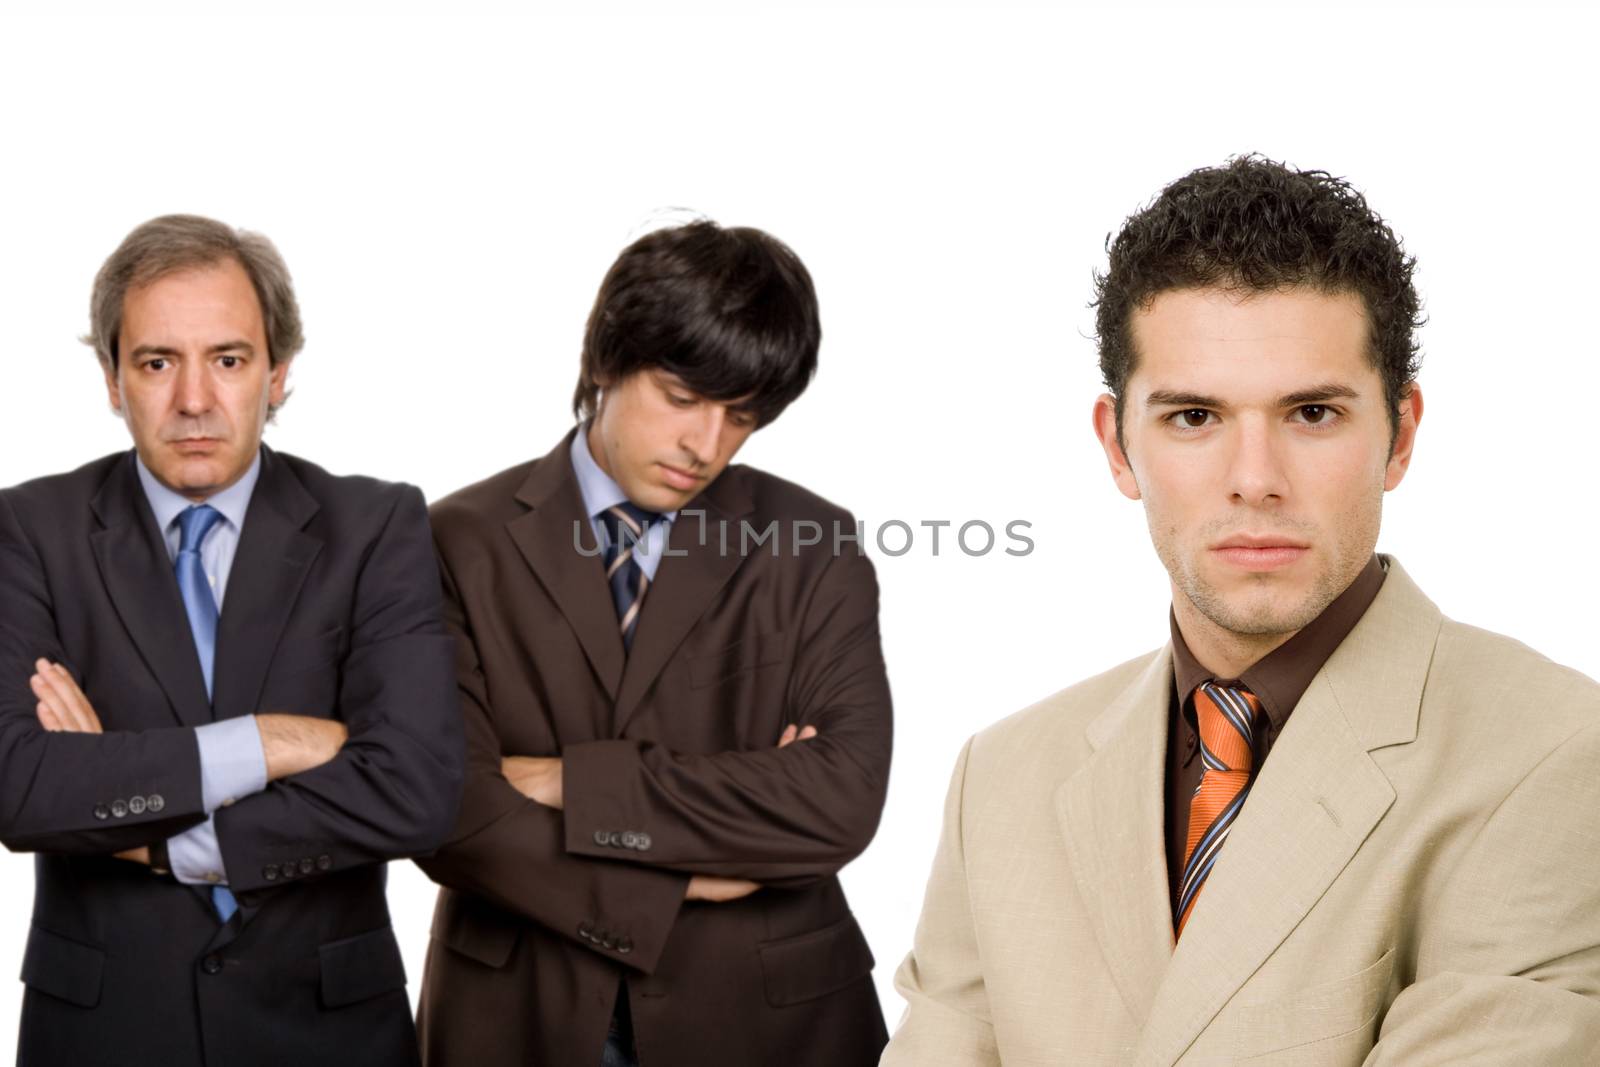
[{"x": 449, "y": 191}]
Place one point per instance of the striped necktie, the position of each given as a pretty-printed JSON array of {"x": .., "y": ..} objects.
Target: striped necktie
[
  {"x": 625, "y": 526},
  {"x": 200, "y": 603},
  {"x": 1226, "y": 717}
]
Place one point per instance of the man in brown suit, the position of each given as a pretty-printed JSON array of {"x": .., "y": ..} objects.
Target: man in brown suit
[{"x": 664, "y": 775}]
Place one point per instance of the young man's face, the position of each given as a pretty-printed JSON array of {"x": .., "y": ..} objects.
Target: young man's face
[
  {"x": 193, "y": 379},
  {"x": 661, "y": 442},
  {"x": 1257, "y": 436}
]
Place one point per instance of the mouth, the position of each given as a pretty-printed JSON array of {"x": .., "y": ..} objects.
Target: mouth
[
  {"x": 1264, "y": 552},
  {"x": 678, "y": 478},
  {"x": 195, "y": 445}
]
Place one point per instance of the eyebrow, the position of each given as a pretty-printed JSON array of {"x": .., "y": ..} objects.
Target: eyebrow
[
  {"x": 1317, "y": 394},
  {"x": 216, "y": 349}
]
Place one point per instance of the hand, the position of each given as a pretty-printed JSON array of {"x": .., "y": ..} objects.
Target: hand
[
  {"x": 297, "y": 743},
  {"x": 536, "y": 777},
  {"x": 793, "y": 733},
  {"x": 135, "y": 855},
  {"x": 716, "y": 890},
  {"x": 62, "y": 705}
]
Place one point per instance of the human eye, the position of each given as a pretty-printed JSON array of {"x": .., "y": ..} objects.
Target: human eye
[
  {"x": 155, "y": 364},
  {"x": 1190, "y": 418},
  {"x": 678, "y": 400},
  {"x": 229, "y": 362},
  {"x": 742, "y": 419},
  {"x": 1320, "y": 416}
]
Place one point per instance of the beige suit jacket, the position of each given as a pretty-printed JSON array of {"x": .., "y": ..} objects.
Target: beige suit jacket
[{"x": 1415, "y": 878}]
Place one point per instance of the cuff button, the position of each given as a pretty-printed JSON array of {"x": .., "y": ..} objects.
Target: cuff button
[{"x": 154, "y": 803}]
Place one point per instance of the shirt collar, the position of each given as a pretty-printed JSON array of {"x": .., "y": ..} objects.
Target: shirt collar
[
  {"x": 1282, "y": 676},
  {"x": 233, "y": 501},
  {"x": 598, "y": 488}
]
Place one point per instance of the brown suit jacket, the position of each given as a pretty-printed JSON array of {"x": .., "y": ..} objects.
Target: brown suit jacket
[{"x": 670, "y": 769}]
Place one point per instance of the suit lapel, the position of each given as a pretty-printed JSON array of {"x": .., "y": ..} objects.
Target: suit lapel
[
  {"x": 1318, "y": 797},
  {"x": 269, "y": 567},
  {"x": 549, "y": 536},
  {"x": 138, "y": 576},
  {"x": 1112, "y": 814},
  {"x": 685, "y": 585}
]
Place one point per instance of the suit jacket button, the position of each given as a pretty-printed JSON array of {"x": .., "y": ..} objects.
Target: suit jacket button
[
  {"x": 136, "y": 805},
  {"x": 614, "y": 839},
  {"x": 308, "y": 865},
  {"x": 324, "y": 862},
  {"x": 624, "y": 945},
  {"x": 270, "y": 873},
  {"x": 600, "y": 837},
  {"x": 211, "y": 965},
  {"x": 102, "y": 812},
  {"x": 154, "y": 803},
  {"x": 642, "y": 841},
  {"x": 289, "y": 869},
  {"x": 119, "y": 808}
]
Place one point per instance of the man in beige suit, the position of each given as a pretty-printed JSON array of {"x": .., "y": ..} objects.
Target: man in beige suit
[{"x": 1324, "y": 825}]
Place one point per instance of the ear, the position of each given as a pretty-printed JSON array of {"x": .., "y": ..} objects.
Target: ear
[
  {"x": 113, "y": 390},
  {"x": 279, "y": 379},
  {"x": 1406, "y": 439},
  {"x": 1105, "y": 428}
]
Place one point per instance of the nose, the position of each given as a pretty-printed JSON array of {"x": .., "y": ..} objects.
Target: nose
[
  {"x": 195, "y": 394},
  {"x": 1256, "y": 473},
  {"x": 702, "y": 434}
]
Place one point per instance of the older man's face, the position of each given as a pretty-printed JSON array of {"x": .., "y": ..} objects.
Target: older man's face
[{"x": 193, "y": 378}]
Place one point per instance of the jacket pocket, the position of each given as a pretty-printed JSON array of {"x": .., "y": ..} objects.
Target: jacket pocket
[
  {"x": 361, "y": 967},
  {"x": 468, "y": 927},
  {"x": 761, "y": 650},
  {"x": 63, "y": 968},
  {"x": 811, "y": 965},
  {"x": 1344, "y": 1007}
]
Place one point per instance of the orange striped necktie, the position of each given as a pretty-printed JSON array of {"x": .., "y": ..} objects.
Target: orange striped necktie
[{"x": 1226, "y": 716}]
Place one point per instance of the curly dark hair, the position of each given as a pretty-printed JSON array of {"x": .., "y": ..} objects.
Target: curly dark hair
[{"x": 1258, "y": 225}]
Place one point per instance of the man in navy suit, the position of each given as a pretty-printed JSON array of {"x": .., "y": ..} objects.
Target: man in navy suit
[{"x": 226, "y": 697}]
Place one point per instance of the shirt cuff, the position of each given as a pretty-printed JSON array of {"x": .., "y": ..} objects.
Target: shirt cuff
[
  {"x": 196, "y": 855},
  {"x": 233, "y": 763}
]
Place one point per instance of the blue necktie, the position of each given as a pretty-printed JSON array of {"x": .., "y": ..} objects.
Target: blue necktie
[
  {"x": 625, "y": 526},
  {"x": 193, "y": 525}
]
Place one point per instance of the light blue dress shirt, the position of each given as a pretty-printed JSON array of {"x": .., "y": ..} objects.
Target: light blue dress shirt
[
  {"x": 601, "y": 492},
  {"x": 233, "y": 763}
]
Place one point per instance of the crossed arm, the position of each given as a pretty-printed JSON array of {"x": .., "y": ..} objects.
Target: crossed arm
[
  {"x": 720, "y": 826},
  {"x": 290, "y": 743},
  {"x": 379, "y": 783},
  {"x": 539, "y": 779}
]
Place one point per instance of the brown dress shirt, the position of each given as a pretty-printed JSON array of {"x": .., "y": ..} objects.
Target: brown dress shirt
[{"x": 1279, "y": 679}]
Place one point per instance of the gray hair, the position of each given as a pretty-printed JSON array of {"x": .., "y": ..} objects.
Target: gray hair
[{"x": 173, "y": 243}]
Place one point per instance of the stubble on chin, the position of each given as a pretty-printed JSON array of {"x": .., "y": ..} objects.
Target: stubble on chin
[{"x": 1259, "y": 608}]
